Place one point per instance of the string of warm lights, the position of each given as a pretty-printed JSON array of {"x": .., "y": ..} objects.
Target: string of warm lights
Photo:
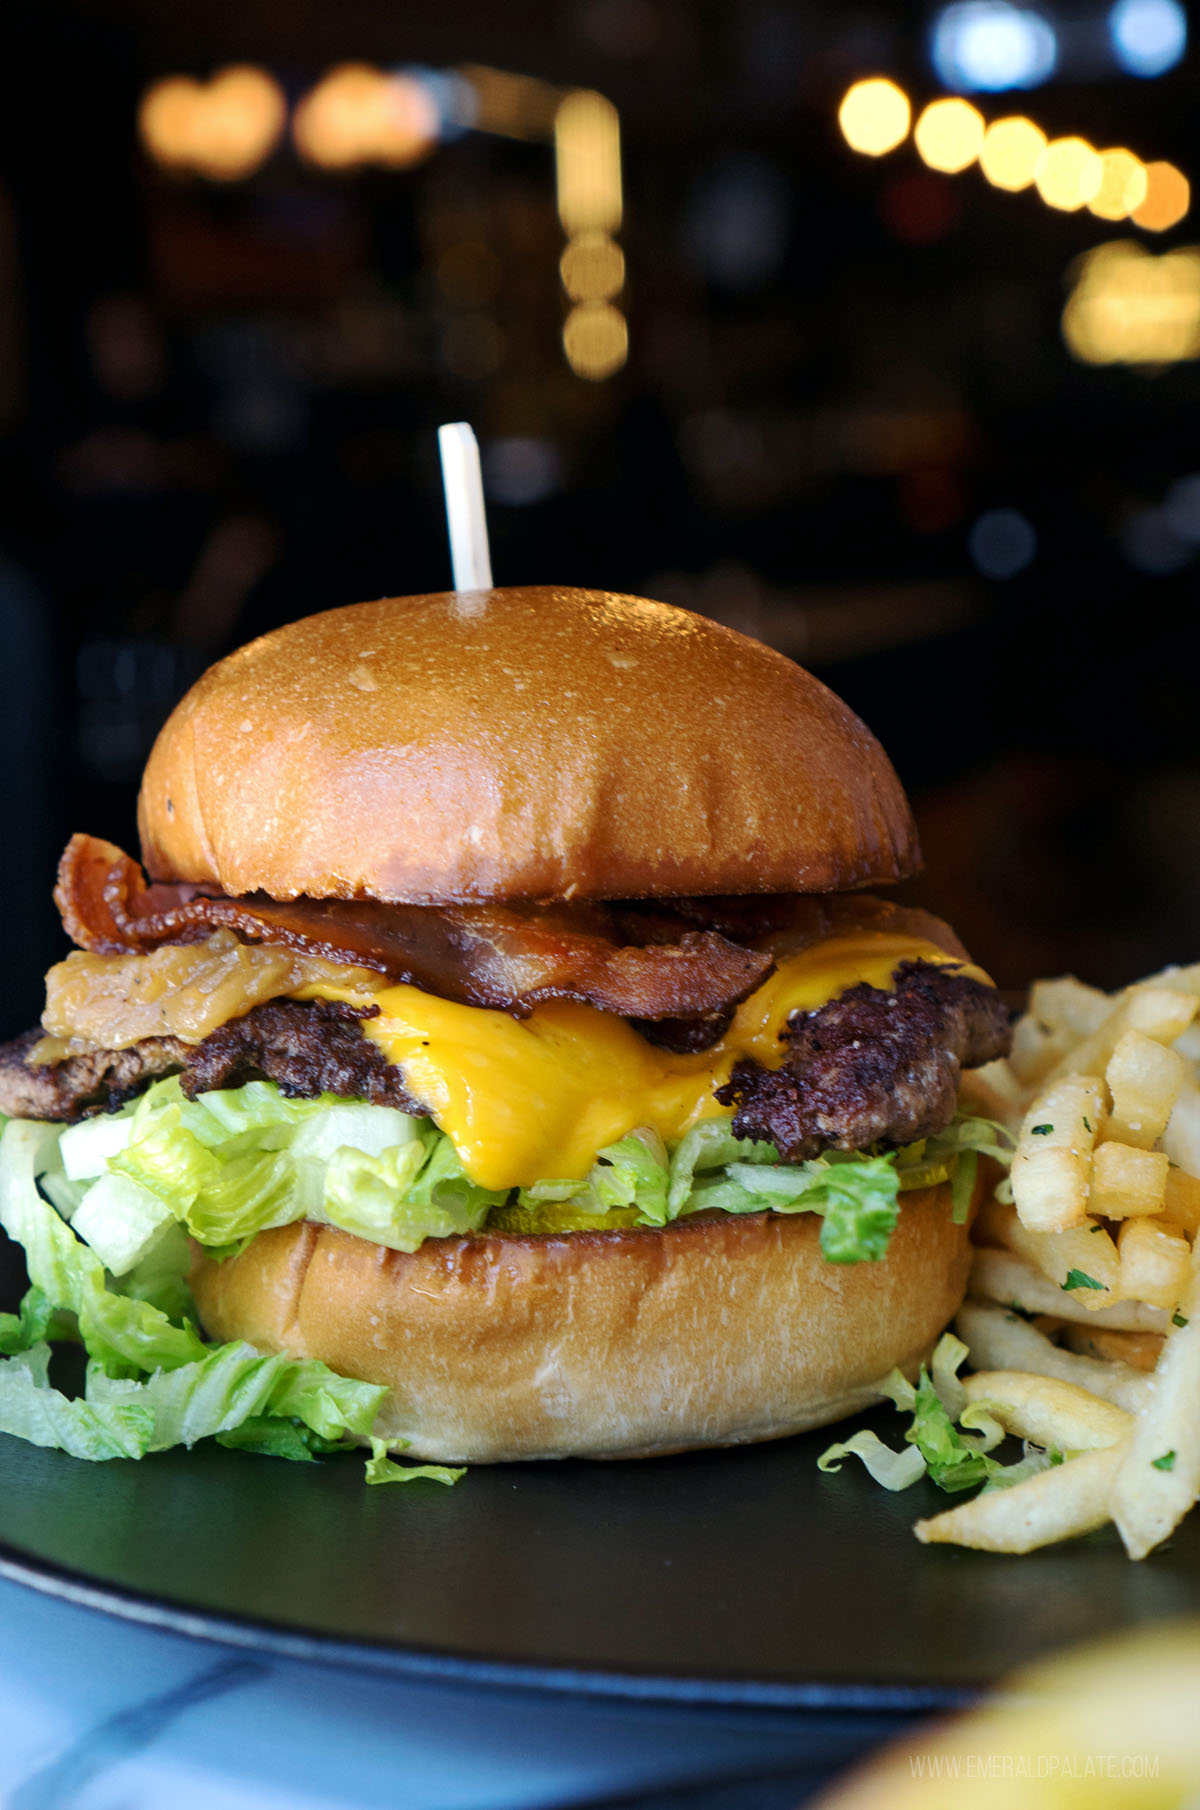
[
  {"x": 358, "y": 115},
  {"x": 224, "y": 129},
  {"x": 951, "y": 135},
  {"x": 1128, "y": 306},
  {"x": 587, "y": 153}
]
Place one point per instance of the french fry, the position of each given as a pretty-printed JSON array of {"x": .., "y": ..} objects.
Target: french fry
[
  {"x": 1184, "y": 980},
  {"x": 1140, "y": 1350},
  {"x": 1143, "y": 1077},
  {"x": 1052, "y": 1163},
  {"x": 1156, "y": 1262},
  {"x": 1003, "y": 1276},
  {"x": 1181, "y": 1139},
  {"x": 1181, "y": 1201},
  {"x": 1161, "y": 1012},
  {"x": 1159, "y": 1478},
  {"x": 1057, "y": 1504},
  {"x": 1127, "y": 1180},
  {"x": 1000, "y": 1339},
  {"x": 1066, "y": 1004},
  {"x": 1082, "y": 1260},
  {"x": 1049, "y": 1411},
  {"x": 1036, "y": 1049}
]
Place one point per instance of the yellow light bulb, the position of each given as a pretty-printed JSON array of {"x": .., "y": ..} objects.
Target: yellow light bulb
[
  {"x": 1123, "y": 185},
  {"x": 1009, "y": 154},
  {"x": 592, "y": 268},
  {"x": 874, "y": 116},
  {"x": 1168, "y": 198},
  {"x": 949, "y": 135},
  {"x": 1068, "y": 174},
  {"x": 595, "y": 339},
  {"x": 1130, "y": 307},
  {"x": 587, "y": 154}
]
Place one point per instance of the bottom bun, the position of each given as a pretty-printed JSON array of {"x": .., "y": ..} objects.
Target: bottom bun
[{"x": 713, "y": 1331}]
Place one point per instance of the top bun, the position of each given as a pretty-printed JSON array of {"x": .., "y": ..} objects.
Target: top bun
[{"x": 539, "y": 743}]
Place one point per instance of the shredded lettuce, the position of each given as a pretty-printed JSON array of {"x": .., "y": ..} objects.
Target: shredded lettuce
[
  {"x": 954, "y": 1456},
  {"x": 234, "y": 1383},
  {"x": 893, "y": 1470},
  {"x": 636, "y": 1181},
  {"x": 238, "y": 1161},
  {"x": 151, "y": 1381},
  {"x": 382, "y": 1469},
  {"x": 31, "y": 1409}
]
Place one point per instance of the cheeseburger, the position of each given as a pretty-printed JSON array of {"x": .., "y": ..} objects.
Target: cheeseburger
[{"x": 501, "y": 1042}]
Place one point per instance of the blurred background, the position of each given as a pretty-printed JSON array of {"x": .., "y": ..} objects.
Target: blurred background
[{"x": 869, "y": 329}]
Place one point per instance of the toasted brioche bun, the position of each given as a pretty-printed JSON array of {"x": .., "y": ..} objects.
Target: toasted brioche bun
[
  {"x": 715, "y": 1331},
  {"x": 518, "y": 744}
]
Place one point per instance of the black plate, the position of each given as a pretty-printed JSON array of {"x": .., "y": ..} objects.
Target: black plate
[{"x": 742, "y": 1577}]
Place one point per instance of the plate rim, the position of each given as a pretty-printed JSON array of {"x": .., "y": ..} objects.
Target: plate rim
[{"x": 425, "y": 1665}]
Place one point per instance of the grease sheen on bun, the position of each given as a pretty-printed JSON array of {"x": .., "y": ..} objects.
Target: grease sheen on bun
[
  {"x": 713, "y": 1331},
  {"x": 518, "y": 744}
]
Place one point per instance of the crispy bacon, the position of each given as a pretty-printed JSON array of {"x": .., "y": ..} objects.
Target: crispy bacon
[{"x": 504, "y": 957}]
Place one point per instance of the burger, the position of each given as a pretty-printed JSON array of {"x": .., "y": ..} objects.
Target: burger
[{"x": 498, "y": 1053}]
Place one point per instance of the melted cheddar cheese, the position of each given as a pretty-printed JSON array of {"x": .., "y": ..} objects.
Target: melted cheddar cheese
[{"x": 535, "y": 1098}]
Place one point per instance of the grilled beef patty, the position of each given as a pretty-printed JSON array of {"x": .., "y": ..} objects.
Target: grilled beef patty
[
  {"x": 872, "y": 1066},
  {"x": 305, "y": 1048}
]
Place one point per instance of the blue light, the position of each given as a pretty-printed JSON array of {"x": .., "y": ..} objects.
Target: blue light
[
  {"x": 990, "y": 45},
  {"x": 1148, "y": 36},
  {"x": 1002, "y": 542}
]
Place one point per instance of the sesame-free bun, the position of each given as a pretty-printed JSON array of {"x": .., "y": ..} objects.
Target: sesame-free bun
[
  {"x": 714, "y": 1331},
  {"x": 539, "y": 743}
]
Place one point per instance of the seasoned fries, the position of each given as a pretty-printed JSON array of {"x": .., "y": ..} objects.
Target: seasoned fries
[
  {"x": 1003, "y": 1276},
  {"x": 1159, "y": 1478},
  {"x": 1143, "y": 1077},
  {"x": 1140, "y": 1350},
  {"x": 1070, "y": 1499},
  {"x": 1082, "y": 1317},
  {"x": 1000, "y": 1339},
  {"x": 1051, "y": 1169},
  {"x": 1048, "y": 1411},
  {"x": 1127, "y": 1181},
  {"x": 1155, "y": 1262},
  {"x": 1157, "y": 1011}
]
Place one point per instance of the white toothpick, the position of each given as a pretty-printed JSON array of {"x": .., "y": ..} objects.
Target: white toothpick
[{"x": 462, "y": 481}]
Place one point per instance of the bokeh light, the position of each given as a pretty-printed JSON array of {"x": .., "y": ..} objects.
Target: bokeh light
[
  {"x": 1002, "y": 542},
  {"x": 592, "y": 268},
  {"x": 358, "y": 114},
  {"x": 595, "y": 339},
  {"x": 1010, "y": 151},
  {"x": 1182, "y": 507},
  {"x": 1148, "y": 36},
  {"x": 1129, "y": 306},
  {"x": 874, "y": 116},
  {"x": 224, "y": 129},
  {"x": 1150, "y": 543},
  {"x": 949, "y": 135},
  {"x": 1168, "y": 198},
  {"x": 1123, "y": 185},
  {"x": 587, "y": 149},
  {"x": 1068, "y": 173},
  {"x": 587, "y": 161},
  {"x": 990, "y": 45}
]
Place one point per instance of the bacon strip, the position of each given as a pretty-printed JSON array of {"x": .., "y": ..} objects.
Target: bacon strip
[{"x": 504, "y": 957}]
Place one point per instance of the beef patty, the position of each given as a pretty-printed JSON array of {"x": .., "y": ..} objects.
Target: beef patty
[
  {"x": 306, "y": 1049},
  {"x": 872, "y": 1066}
]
